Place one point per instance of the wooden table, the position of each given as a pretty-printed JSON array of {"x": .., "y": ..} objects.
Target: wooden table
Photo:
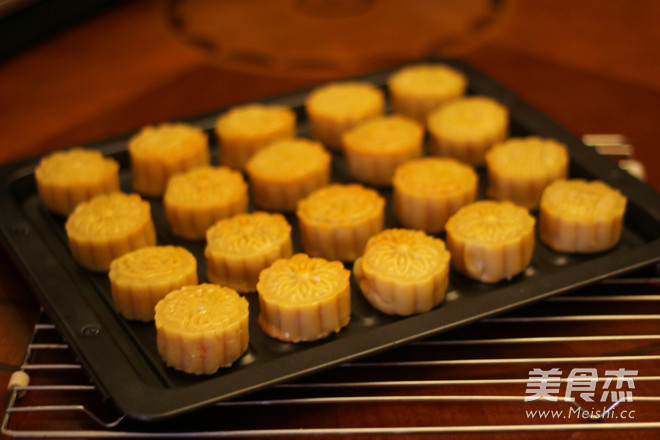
[{"x": 594, "y": 66}]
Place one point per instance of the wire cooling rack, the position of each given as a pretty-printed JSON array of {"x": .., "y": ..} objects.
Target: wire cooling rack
[{"x": 458, "y": 382}]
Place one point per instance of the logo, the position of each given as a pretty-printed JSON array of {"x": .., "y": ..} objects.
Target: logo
[
  {"x": 546, "y": 384},
  {"x": 585, "y": 384}
]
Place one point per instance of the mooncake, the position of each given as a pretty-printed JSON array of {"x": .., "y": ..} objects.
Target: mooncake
[
  {"x": 429, "y": 190},
  {"x": 66, "y": 178},
  {"x": 196, "y": 199},
  {"x": 403, "y": 271},
  {"x": 245, "y": 129},
  {"x": 304, "y": 298},
  {"x": 158, "y": 152},
  {"x": 337, "y": 220},
  {"x": 201, "y": 328},
  {"x": 467, "y": 127},
  {"x": 374, "y": 148},
  {"x": 491, "y": 241},
  {"x": 417, "y": 90},
  {"x": 141, "y": 278},
  {"x": 286, "y": 171},
  {"x": 108, "y": 226},
  {"x": 519, "y": 169},
  {"x": 579, "y": 216},
  {"x": 238, "y": 248},
  {"x": 336, "y": 107}
]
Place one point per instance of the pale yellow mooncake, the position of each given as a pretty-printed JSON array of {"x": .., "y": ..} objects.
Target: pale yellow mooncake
[
  {"x": 337, "y": 220},
  {"x": 201, "y": 328},
  {"x": 428, "y": 191},
  {"x": 467, "y": 127},
  {"x": 374, "y": 148},
  {"x": 519, "y": 169},
  {"x": 245, "y": 129},
  {"x": 491, "y": 241},
  {"x": 238, "y": 248},
  {"x": 417, "y": 90},
  {"x": 158, "y": 152},
  {"x": 580, "y": 216},
  {"x": 286, "y": 171},
  {"x": 141, "y": 278},
  {"x": 403, "y": 272},
  {"x": 336, "y": 107},
  {"x": 108, "y": 226},
  {"x": 303, "y": 298},
  {"x": 66, "y": 178},
  {"x": 196, "y": 199}
]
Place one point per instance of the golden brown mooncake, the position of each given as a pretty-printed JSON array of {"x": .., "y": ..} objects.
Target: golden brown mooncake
[
  {"x": 374, "y": 148},
  {"x": 519, "y": 169},
  {"x": 141, "y": 278},
  {"x": 160, "y": 151},
  {"x": 108, "y": 226},
  {"x": 336, "y": 107},
  {"x": 467, "y": 127},
  {"x": 196, "y": 199},
  {"x": 417, "y": 90},
  {"x": 245, "y": 129},
  {"x": 491, "y": 241},
  {"x": 403, "y": 271},
  {"x": 579, "y": 216},
  {"x": 286, "y": 171},
  {"x": 429, "y": 190},
  {"x": 66, "y": 178},
  {"x": 304, "y": 298},
  {"x": 337, "y": 220},
  {"x": 201, "y": 328},
  {"x": 238, "y": 248}
]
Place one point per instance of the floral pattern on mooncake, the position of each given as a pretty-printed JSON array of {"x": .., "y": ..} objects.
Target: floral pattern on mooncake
[
  {"x": 304, "y": 298},
  {"x": 491, "y": 241},
  {"x": 108, "y": 226},
  {"x": 429, "y": 190},
  {"x": 403, "y": 271},
  {"x": 238, "y": 248},
  {"x": 337, "y": 220},
  {"x": 581, "y": 216},
  {"x": 404, "y": 253},
  {"x": 202, "y": 328},
  {"x": 141, "y": 278}
]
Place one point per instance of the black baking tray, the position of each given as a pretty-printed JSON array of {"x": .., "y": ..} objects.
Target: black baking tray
[{"x": 121, "y": 356}]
